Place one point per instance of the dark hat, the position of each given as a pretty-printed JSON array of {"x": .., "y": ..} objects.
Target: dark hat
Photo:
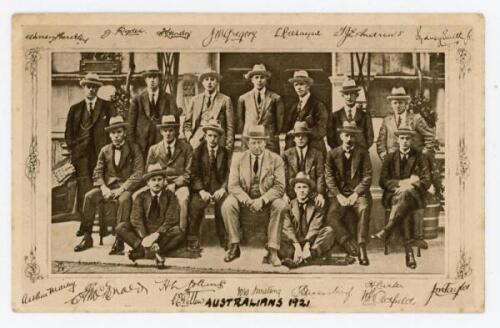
[
  {"x": 256, "y": 132},
  {"x": 167, "y": 121},
  {"x": 257, "y": 69},
  {"x": 210, "y": 73},
  {"x": 152, "y": 72},
  {"x": 116, "y": 122},
  {"x": 154, "y": 170},
  {"x": 91, "y": 78},
  {"x": 349, "y": 86},
  {"x": 300, "y": 127},
  {"x": 213, "y": 125},
  {"x": 301, "y": 76},
  {"x": 398, "y": 93},
  {"x": 303, "y": 178},
  {"x": 349, "y": 127}
]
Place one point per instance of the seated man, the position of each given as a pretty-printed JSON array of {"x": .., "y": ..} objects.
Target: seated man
[
  {"x": 210, "y": 172},
  {"x": 305, "y": 235},
  {"x": 348, "y": 175},
  {"x": 154, "y": 220},
  {"x": 256, "y": 184},
  {"x": 117, "y": 174},
  {"x": 303, "y": 158},
  {"x": 405, "y": 177},
  {"x": 174, "y": 156}
]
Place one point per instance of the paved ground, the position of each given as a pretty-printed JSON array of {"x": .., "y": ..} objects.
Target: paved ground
[{"x": 97, "y": 260}]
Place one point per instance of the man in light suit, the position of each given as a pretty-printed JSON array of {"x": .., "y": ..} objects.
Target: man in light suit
[
  {"x": 147, "y": 109},
  {"x": 117, "y": 174},
  {"x": 353, "y": 113},
  {"x": 256, "y": 184},
  {"x": 206, "y": 107},
  {"x": 261, "y": 106},
  {"x": 175, "y": 156}
]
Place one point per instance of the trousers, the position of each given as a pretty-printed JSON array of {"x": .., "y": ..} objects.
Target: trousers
[
  {"x": 322, "y": 243},
  {"x": 168, "y": 241},
  {"x": 345, "y": 227},
  {"x": 197, "y": 208}
]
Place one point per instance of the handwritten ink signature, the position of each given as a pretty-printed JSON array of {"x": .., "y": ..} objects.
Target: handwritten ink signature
[
  {"x": 448, "y": 289},
  {"x": 286, "y": 33},
  {"x": 228, "y": 35},
  {"x": 349, "y": 32},
  {"x": 123, "y": 31},
  {"x": 444, "y": 38},
  {"x": 170, "y": 33},
  {"x": 39, "y": 295},
  {"x": 189, "y": 294},
  {"x": 61, "y": 36},
  {"x": 305, "y": 291},
  {"x": 94, "y": 292}
]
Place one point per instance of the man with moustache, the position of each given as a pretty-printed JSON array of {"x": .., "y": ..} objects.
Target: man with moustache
[
  {"x": 308, "y": 109},
  {"x": 117, "y": 175},
  {"x": 85, "y": 134},
  {"x": 261, "y": 106},
  {"x": 206, "y": 107},
  {"x": 147, "y": 109}
]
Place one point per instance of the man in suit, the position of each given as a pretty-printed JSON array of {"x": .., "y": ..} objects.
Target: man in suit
[
  {"x": 154, "y": 220},
  {"x": 256, "y": 184},
  {"x": 210, "y": 171},
  {"x": 353, "y": 113},
  {"x": 85, "y": 134},
  {"x": 405, "y": 177},
  {"x": 147, "y": 109},
  {"x": 175, "y": 156},
  {"x": 303, "y": 158},
  {"x": 308, "y": 109},
  {"x": 348, "y": 175},
  {"x": 117, "y": 174},
  {"x": 305, "y": 236},
  {"x": 208, "y": 106},
  {"x": 261, "y": 106}
]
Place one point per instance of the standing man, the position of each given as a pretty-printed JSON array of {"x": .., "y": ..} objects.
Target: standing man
[
  {"x": 405, "y": 178},
  {"x": 154, "y": 220},
  {"x": 348, "y": 174},
  {"x": 146, "y": 110},
  {"x": 85, "y": 134},
  {"x": 210, "y": 172},
  {"x": 207, "y": 106},
  {"x": 309, "y": 109},
  {"x": 175, "y": 156},
  {"x": 353, "y": 113},
  {"x": 303, "y": 158},
  {"x": 305, "y": 236},
  {"x": 256, "y": 184},
  {"x": 117, "y": 174},
  {"x": 261, "y": 106}
]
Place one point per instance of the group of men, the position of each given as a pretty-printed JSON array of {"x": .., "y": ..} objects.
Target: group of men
[{"x": 162, "y": 184}]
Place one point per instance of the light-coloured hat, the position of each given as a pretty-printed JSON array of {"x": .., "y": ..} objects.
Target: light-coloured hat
[
  {"x": 213, "y": 125},
  {"x": 301, "y": 76},
  {"x": 404, "y": 130},
  {"x": 154, "y": 170},
  {"x": 349, "y": 86},
  {"x": 257, "y": 69},
  {"x": 256, "y": 132},
  {"x": 210, "y": 73},
  {"x": 152, "y": 72},
  {"x": 349, "y": 127},
  {"x": 91, "y": 78},
  {"x": 167, "y": 121},
  {"x": 398, "y": 93},
  {"x": 302, "y": 177},
  {"x": 300, "y": 127},
  {"x": 116, "y": 122}
]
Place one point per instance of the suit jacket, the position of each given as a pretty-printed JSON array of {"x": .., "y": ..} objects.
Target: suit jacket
[
  {"x": 315, "y": 114},
  {"x": 222, "y": 110},
  {"x": 272, "y": 177},
  {"x": 271, "y": 116},
  {"x": 87, "y": 143},
  {"x": 201, "y": 167},
  {"x": 361, "y": 171},
  {"x": 387, "y": 142},
  {"x": 314, "y": 167},
  {"x": 178, "y": 167},
  {"x": 363, "y": 122},
  {"x": 391, "y": 174},
  {"x": 128, "y": 173},
  {"x": 169, "y": 213},
  {"x": 291, "y": 223},
  {"x": 142, "y": 129}
]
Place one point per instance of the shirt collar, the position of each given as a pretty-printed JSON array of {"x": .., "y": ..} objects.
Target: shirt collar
[
  {"x": 93, "y": 101},
  {"x": 305, "y": 98},
  {"x": 403, "y": 116},
  {"x": 352, "y": 109},
  {"x": 119, "y": 146},
  {"x": 153, "y": 194},
  {"x": 302, "y": 149},
  {"x": 404, "y": 153},
  {"x": 172, "y": 144},
  {"x": 261, "y": 91},
  {"x": 215, "y": 148},
  {"x": 210, "y": 95}
]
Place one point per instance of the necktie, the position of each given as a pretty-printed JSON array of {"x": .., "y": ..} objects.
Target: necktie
[
  {"x": 169, "y": 152},
  {"x": 154, "y": 210},
  {"x": 399, "y": 121},
  {"x": 91, "y": 108},
  {"x": 302, "y": 220},
  {"x": 301, "y": 159},
  {"x": 259, "y": 98},
  {"x": 209, "y": 101},
  {"x": 212, "y": 157},
  {"x": 403, "y": 163},
  {"x": 256, "y": 165},
  {"x": 299, "y": 105},
  {"x": 349, "y": 114},
  {"x": 153, "y": 100}
]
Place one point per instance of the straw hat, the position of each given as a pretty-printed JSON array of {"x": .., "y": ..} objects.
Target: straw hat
[
  {"x": 154, "y": 170},
  {"x": 301, "y": 76},
  {"x": 91, "y": 78},
  {"x": 210, "y": 73},
  {"x": 398, "y": 93},
  {"x": 257, "y": 69},
  {"x": 116, "y": 122},
  {"x": 349, "y": 127},
  {"x": 167, "y": 121},
  {"x": 349, "y": 86},
  {"x": 213, "y": 125},
  {"x": 256, "y": 132},
  {"x": 302, "y": 177}
]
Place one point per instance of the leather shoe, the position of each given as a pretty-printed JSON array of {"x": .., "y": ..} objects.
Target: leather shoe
[
  {"x": 118, "y": 247},
  {"x": 79, "y": 233},
  {"x": 363, "y": 255},
  {"x": 289, "y": 263},
  {"x": 351, "y": 248},
  {"x": 193, "y": 246},
  {"x": 233, "y": 252},
  {"x": 380, "y": 235},
  {"x": 420, "y": 243},
  {"x": 137, "y": 253},
  {"x": 410, "y": 258},
  {"x": 86, "y": 243}
]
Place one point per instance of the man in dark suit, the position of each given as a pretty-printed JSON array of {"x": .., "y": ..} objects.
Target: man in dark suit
[
  {"x": 207, "y": 106},
  {"x": 309, "y": 109},
  {"x": 210, "y": 171},
  {"x": 261, "y": 106},
  {"x": 303, "y": 158},
  {"x": 305, "y": 235},
  {"x": 353, "y": 113},
  {"x": 85, "y": 134},
  {"x": 117, "y": 174},
  {"x": 405, "y": 177},
  {"x": 175, "y": 156},
  {"x": 147, "y": 109},
  {"x": 154, "y": 220},
  {"x": 348, "y": 175}
]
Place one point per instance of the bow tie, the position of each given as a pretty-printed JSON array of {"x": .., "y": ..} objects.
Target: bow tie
[{"x": 117, "y": 147}]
